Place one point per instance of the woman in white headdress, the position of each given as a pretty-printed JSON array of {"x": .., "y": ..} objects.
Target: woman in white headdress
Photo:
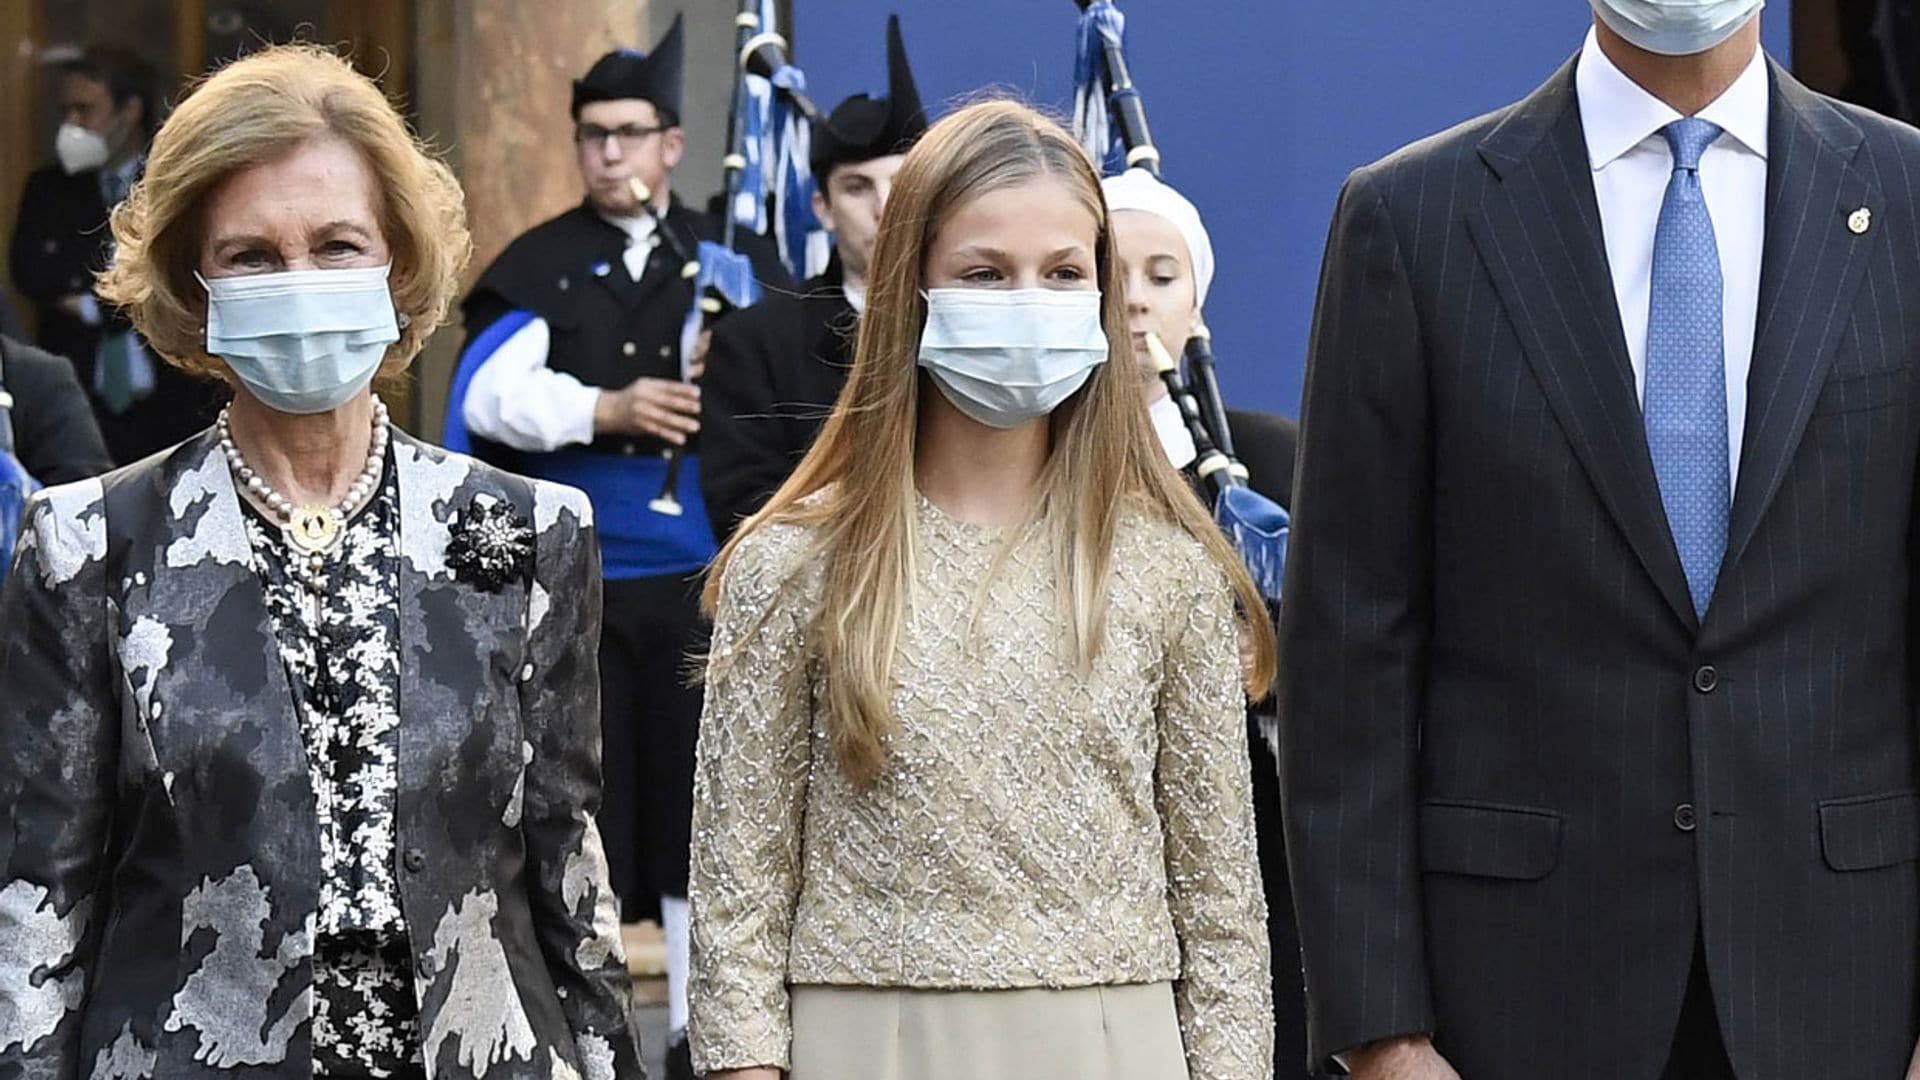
[{"x": 1167, "y": 259}]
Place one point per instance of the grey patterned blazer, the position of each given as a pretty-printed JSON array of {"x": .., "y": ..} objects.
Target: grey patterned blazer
[{"x": 159, "y": 862}]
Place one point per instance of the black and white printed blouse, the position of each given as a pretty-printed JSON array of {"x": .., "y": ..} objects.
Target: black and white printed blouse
[{"x": 338, "y": 633}]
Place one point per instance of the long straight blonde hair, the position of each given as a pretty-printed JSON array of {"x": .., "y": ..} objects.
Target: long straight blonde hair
[{"x": 855, "y": 488}]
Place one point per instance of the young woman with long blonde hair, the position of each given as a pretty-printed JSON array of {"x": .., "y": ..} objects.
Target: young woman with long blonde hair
[{"x": 972, "y": 797}]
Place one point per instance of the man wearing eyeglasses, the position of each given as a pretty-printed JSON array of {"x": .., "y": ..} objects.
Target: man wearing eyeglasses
[{"x": 572, "y": 372}]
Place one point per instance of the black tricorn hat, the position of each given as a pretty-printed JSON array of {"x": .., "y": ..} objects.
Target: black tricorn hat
[
  {"x": 862, "y": 128},
  {"x": 629, "y": 73}
]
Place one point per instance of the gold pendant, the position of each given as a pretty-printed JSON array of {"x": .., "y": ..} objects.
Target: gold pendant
[{"x": 313, "y": 528}]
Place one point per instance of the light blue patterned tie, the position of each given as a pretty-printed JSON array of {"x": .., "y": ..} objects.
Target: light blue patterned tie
[{"x": 1686, "y": 384}]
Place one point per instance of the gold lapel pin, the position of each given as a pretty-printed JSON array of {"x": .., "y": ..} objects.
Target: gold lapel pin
[{"x": 1860, "y": 221}]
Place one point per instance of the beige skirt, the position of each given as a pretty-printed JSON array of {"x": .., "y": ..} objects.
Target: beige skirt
[{"x": 1095, "y": 1033}]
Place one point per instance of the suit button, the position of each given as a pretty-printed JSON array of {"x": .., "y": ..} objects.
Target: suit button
[
  {"x": 1683, "y": 817},
  {"x": 414, "y": 860},
  {"x": 1705, "y": 679},
  {"x": 666, "y": 351},
  {"x": 629, "y": 349}
]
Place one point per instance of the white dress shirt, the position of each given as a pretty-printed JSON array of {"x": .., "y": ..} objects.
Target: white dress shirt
[
  {"x": 640, "y": 241},
  {"x": 1175, "y": 439},
  {"x": 1631, "y": 166},
  {"x": 517, "y": 400}
]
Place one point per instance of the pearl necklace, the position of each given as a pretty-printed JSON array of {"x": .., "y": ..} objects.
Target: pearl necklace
[{"x": 314, "y": 529}]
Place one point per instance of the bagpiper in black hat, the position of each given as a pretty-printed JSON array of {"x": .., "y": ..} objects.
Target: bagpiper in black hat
[
  {"x": 862, "y": 128},
  {"x": 628, "y": 73}
]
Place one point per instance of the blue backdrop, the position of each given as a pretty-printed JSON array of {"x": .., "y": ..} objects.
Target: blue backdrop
[{"x": 1260, "y": 107}]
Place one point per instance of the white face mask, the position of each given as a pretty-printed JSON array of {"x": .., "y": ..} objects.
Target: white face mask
[
  {"x": 1676, "y": 27},
  {"x": 79, "y": 148},
  {"x": 1008, "y": 356},
  {"x": 302, "y": 341}
]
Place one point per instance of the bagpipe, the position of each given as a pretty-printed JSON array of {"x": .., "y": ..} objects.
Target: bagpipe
[
  {"x": 722, "y": 280},
  {"x": 768, "y": 138},
  {"x": 1111, "y": 121}
]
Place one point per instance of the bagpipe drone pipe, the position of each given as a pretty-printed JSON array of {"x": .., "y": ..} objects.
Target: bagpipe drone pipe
[
  {"x": 1111, "y": 121},
  {"x": 768, "y": 136}
]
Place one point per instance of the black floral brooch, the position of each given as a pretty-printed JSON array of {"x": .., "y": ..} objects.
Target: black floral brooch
[{"x": 490, "y": 544}]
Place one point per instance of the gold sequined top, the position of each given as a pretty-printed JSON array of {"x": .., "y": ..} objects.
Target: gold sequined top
[{"x": 1035, "y": 826}]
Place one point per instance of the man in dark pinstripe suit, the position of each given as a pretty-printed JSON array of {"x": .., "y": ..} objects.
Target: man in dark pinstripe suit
[{"x": 1599, "y": 751}]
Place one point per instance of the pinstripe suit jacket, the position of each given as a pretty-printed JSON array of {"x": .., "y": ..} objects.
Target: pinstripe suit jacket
[{"x": 1519, "y": 772}]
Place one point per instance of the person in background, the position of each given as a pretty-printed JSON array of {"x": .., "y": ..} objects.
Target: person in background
[
  {"x": 300, "y": 758},
  {"x": 1167, "y": 259},
  {"x": 572, "y": 372},
  {"x": 1167, "y": 255},
  {"x": 775, "y": 369},
  {"x": 109, "y": 107},
  {"x": 1599, "y": 642},
  {"x": 54, "y": 434},
  {"x": 973, "y": 778}
]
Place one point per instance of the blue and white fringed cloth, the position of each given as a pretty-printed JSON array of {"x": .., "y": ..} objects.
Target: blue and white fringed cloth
[
  {"x": 1258, "y": 527},
  {"x": 779, "y": 145},
  {"x": 1101, "y": 25},
  {"x": 725, "y": 272}
]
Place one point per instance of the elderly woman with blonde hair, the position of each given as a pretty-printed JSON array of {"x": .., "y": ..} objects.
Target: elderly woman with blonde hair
[{"x": 301, "y": 735}]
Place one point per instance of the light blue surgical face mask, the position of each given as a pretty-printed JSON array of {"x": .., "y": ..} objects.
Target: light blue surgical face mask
[
  {"x": 1676, "y": 27},
  {"x": 302, "y": 341},
  {"x": 1008, "y": 356}
]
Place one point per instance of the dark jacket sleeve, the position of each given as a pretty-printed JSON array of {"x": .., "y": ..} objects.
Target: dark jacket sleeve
[
  {"x": 55, "y": 434},
  {"x": 1354, "y": 639},
  {"x": 10, "y": 325},
  {"x": 58, "y": 748},
  {"x": 742, "y": 461},
  {"x": 573, "y": 905},
  {"x": 765, "y": 256}
]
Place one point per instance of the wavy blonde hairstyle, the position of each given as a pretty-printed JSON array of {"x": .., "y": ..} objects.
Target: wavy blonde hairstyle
[
  {"x": 257, "y": 110},
  {"x": 855, "y": 489}
]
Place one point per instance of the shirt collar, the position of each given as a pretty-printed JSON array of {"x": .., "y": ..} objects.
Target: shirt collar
[
  {"x": 639, "y": 228},
  {"x": 1619, "y": 115}
]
